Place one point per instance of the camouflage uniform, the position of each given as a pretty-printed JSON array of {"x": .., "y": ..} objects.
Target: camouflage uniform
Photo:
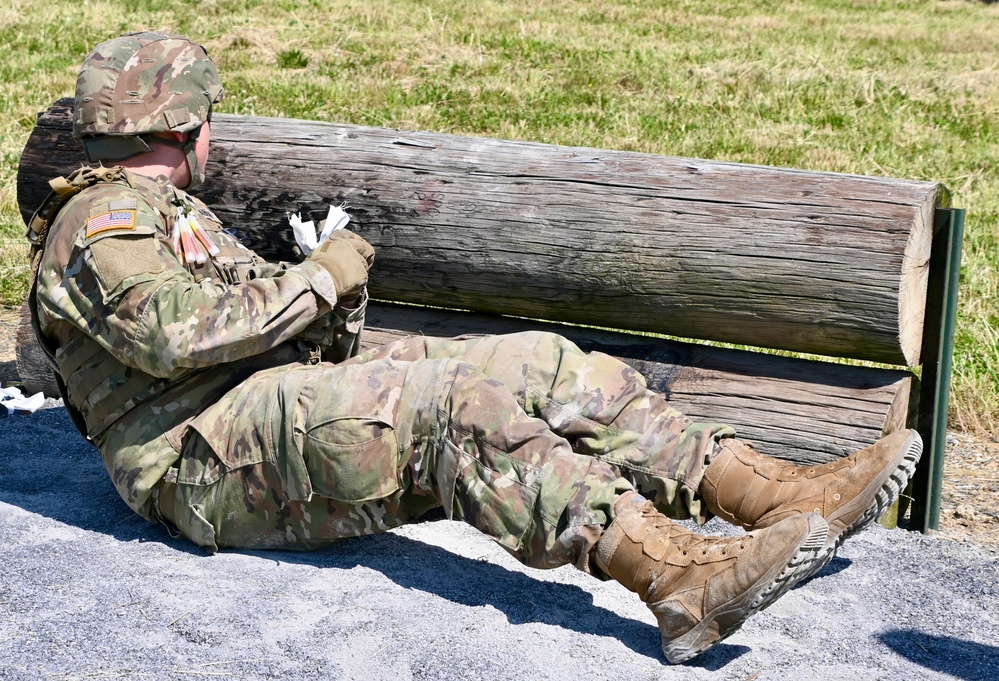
[
  {"x": 201, "y": 386},
  {"x": 244, "y": 442},
  {"x": 229, "y": 401}
]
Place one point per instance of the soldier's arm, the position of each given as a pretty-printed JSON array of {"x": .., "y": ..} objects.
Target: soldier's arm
[
  {"x": 338, "y": 332},
  {"x": 176, "y": 323},
  {"x": 154, "y": 316}
]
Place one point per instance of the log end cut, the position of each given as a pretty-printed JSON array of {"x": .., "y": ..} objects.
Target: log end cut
[{"x": 915, "y": 277}]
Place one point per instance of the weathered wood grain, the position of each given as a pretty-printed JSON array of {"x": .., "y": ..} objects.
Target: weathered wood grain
[
  {"x": 32, "y": 365},
  {"x": 814, "y": 262},
  {"x": 809, "y": 261}
]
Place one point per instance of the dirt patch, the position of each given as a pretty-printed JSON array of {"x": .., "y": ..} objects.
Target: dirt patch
[
  {"x": 969, "y": 507},
  {"x": 8, "y": 327}
]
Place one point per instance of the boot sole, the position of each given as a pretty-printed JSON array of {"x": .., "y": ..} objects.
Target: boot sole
[
  {"x": 726, "y": 619},
  {"x": 902, "y": 466}
]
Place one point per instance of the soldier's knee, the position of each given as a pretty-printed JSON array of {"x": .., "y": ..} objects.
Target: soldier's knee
[
  {"x": 458, "y": 375},
  {"x": 547, "y": 341},
  {"x": 438, "y": 380}
]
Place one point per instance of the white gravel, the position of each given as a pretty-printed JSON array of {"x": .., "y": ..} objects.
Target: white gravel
[{"x": 88, "y": 590}]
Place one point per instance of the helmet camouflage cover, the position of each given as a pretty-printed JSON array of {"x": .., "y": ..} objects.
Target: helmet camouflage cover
[{"x": 139, "y": 84}]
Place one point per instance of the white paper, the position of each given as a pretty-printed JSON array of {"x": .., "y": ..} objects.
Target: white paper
[
  {"x": 14, "y": 401},
  {"x": 10, "y": 393},
  {"x": 336, "y": 219},
  {"x": 305, "y": 233}
]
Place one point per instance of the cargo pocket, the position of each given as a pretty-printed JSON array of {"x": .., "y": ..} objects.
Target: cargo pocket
[
  {"x": 181, "y": 504},
  {"x": 351, "y": 459},
  {"x": 237, "y": 431}
]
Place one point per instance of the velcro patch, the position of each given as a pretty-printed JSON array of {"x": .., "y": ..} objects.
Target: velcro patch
[
  {"x": 113, "y": 219},
  {"x": 123, "y": 204}
]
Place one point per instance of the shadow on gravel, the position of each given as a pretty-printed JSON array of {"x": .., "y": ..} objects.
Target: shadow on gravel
[
  {"x": 48, "y": 469},
  {"x": 965, "y": 660},
  {"x": 520, "y": 597},
  {"x": 835, "y": 566}
]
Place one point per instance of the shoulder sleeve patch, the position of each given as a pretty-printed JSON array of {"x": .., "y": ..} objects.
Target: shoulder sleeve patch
[
  {"x": 122, "y": 262},
  {"x": 119, "y": 220}
]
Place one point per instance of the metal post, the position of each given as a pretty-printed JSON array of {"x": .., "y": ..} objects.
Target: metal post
[{"x": 937, "y": 355}]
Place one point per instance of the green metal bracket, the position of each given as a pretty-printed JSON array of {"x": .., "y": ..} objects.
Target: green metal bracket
[{"x": 937, "y": 356}]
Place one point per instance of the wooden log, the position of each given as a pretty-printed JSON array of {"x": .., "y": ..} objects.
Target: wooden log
[
  {"x": 803, "y": 411},
  {"x": 812, "y": 262},
  {"x": 32, "y": 364}
]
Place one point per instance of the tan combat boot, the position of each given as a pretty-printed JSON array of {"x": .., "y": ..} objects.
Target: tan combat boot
[
  {"x": 701, "y": 589},
  {"x": 750, "y": 489}
]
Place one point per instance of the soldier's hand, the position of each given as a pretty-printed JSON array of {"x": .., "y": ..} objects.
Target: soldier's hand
[{"x": 347, "y": 257}]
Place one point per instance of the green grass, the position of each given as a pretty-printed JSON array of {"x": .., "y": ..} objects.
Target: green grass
[{"x": 904, "y": 89}]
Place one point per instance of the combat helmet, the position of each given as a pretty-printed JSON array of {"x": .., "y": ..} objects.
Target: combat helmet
[{"x": 139, "y": 84}]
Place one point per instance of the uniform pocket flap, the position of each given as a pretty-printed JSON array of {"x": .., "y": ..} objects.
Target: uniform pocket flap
[{"x": 352, "y": 459}]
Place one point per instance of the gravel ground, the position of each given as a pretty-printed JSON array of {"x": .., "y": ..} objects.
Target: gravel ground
[{"x": 88, "y": 590}]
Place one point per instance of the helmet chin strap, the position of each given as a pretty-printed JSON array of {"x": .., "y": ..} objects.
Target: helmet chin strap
[{"x": 194, "y": 167}]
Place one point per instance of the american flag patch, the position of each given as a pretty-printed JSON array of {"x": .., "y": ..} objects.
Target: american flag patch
[{"x": 113, "y": 219}]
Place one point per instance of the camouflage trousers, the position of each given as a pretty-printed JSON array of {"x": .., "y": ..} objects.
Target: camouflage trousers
[{"x": 523, "y": 436}]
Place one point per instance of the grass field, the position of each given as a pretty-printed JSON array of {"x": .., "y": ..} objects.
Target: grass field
[{"x": 904, "y": 89}]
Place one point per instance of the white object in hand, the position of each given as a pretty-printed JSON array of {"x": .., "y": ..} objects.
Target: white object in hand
[
  {"x": 305, "y": 233},
  {"x": 336, "y": 219}
]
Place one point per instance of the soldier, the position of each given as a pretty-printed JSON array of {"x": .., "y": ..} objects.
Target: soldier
[{"x": 228, "y": 398}]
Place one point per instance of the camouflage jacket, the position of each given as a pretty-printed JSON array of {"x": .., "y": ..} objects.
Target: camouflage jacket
[{"x": 145, "y": 342}]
